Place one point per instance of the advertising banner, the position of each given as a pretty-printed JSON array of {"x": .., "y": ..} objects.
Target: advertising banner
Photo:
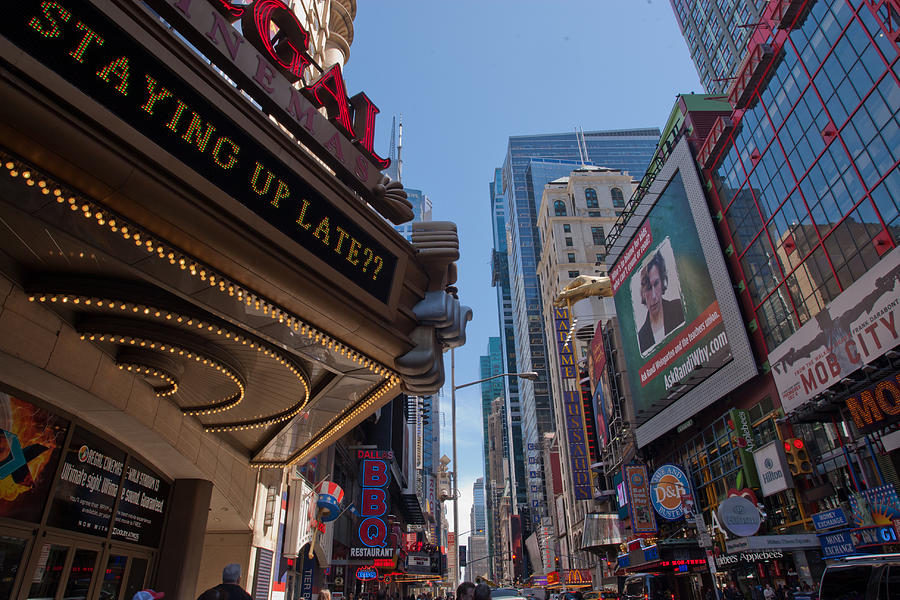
[
  {"x": 643, "y": 521},
  {"x": 31, "y": 441},
  {"x": 576, "y": 432},
  {"x": 139, "y": 517},
  {"x": 746, "y": 441},
  {"x": 853, "y": 330},
  {"x": 598, "y": 356},
  {"x": 671, "y": 324},
  {"x": 771, "y": 465},
  {"x": 88, "y": 485}
]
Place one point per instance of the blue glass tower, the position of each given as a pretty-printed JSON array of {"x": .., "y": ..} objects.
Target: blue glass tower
[{"x": 530, "y": 163}]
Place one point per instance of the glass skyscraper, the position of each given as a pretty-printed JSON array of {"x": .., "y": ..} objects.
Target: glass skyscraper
[
  {"x": 717, "y": 34},
  {"x": 530, "y": 163}
]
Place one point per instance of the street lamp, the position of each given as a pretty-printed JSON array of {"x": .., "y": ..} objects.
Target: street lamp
[{"x": 531, "y": 376}]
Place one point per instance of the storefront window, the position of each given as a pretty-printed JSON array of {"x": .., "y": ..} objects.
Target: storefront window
[
  {"x": 11, "y": 550},
  {"x": 48, "y": 572},
  {"x": 136, "y": 575},
  {"x": 112, "y": 578},
  {"x": 80, "y": 575}
]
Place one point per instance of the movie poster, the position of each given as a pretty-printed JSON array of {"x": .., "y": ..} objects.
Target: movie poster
[{"x": 31, "y": 441}]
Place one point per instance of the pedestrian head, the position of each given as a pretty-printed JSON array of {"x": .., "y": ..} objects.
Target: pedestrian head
[
  {"x": 231, "y": 573},
  {"x": 324, "y": 594},
  {"x": 482, "y": 592},
  {"x": 465, "y": 591}
]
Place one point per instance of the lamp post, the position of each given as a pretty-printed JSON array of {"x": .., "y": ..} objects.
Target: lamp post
[{"x": 531, "y": 376}]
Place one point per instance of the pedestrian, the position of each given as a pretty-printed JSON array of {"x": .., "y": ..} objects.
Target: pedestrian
[
  {"x": 231, "y": 584},
  {"x": 769, "y": 592},
  {"x": 465, "y": 591},
  {"x": 482, "y": 592},
  {"x": 325, "y": 594}
]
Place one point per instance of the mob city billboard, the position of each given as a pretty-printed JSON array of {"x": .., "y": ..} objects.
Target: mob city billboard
[
  {"x": 682, "y": 336},
  {"x": 857, "y": 327}
]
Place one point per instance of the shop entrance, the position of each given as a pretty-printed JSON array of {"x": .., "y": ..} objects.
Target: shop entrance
[{"x": 74, "y": 568}]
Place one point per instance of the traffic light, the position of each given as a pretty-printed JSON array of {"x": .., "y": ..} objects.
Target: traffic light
[{"x": 797, "y": 456}]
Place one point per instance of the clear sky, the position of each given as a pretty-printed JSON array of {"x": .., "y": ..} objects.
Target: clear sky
[{"x": 466, "y": 75}]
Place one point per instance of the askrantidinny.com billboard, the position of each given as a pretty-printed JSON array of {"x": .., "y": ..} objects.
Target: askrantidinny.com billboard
[{"x": 678, "y": 317}]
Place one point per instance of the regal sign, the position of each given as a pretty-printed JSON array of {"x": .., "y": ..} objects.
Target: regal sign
[
  {"x": 87, "y": 49},
  {"x": 267, "y": 68}
]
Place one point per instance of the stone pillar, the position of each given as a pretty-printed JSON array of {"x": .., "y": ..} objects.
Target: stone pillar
[{"x": 182, "y": 548}]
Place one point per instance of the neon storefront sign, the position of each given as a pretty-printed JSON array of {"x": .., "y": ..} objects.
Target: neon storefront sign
[
  {"x": 375, "y": 478},
  {"x": 367, "y": 573}
]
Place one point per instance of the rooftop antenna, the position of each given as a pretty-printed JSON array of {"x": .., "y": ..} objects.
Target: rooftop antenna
[
  {"x": 578, "y": 141},
  {"x": 392, "y": 153},
  {"x": 587, "y": 157},
  {"x": 400, "y": 151}
]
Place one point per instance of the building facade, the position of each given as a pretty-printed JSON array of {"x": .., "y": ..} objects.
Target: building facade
[
  {"x": 171, "y": 369},
  {"x": 529, "y": 161},
  {"x": 717, "y": 34},
  {"x": 575, "y": 213}
]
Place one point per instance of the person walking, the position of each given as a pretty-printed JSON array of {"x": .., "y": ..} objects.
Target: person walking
[
  {"x": 769, "y": 592},
  {"x": 231, "y": 584}
]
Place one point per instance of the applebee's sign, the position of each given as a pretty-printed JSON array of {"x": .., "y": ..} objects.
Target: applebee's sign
[{"x": 267, "y": 67}]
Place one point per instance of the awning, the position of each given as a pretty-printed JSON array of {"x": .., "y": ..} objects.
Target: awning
[{"x": 600, "y": 530}]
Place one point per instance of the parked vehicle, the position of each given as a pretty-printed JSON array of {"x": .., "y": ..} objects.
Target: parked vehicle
[
  {"x": 601, "y": 595},
  {"x": 868, "y": 577}
]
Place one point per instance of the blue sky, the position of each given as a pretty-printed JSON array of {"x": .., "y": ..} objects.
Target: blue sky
[{"x": 466, "y": 75}]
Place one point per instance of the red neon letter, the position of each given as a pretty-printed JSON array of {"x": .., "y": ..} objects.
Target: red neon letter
[
  {"x": 329, "y": 91},
  {"x": 291, "y": 52},
  {"x": 364, "y": 112},
  {"x": 373, "y": 502},
  {"x": 373, "y": 532},
  {"x": 374, "y": 473}
]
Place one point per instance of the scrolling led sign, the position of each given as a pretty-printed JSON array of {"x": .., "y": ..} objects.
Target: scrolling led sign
[{"x": 89, "y": 51}]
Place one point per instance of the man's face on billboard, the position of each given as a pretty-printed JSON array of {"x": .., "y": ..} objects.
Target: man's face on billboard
[{"x": 652, "y": 292}]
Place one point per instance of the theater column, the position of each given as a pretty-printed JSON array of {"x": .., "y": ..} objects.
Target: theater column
[{"x": 179, "y": 558}]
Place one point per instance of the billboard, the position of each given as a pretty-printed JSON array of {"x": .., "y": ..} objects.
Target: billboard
[
  {"x": 643, "y": 522},
  {"x": 853, "y": 330},
  {"x": 682, "y": 336}
]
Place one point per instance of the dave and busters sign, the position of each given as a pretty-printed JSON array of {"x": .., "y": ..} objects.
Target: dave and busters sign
[
  {"x": 667, "y": 486},
  {"x": 267, "y": 61}
]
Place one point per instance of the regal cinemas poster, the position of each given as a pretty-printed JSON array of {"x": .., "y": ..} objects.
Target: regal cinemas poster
[{"x": 672, "y": 328}]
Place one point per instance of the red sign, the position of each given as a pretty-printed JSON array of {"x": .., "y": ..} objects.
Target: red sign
[
  {"x": 268, "y": 67},
  {"x": 635, "y": 250}
]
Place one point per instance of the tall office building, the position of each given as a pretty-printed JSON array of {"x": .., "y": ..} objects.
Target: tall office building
[
  {"x": 478, "y": 506},
  {"x": 421, "y": 208},
  {"x": 512, "y": 410},
  {"x": 478, "y": 553},
  {"x": 717, "y": 34},
  {"x": 530, "y": 163}
]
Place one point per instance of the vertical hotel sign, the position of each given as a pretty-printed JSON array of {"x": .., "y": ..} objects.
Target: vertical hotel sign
[{"x": 576, "y": 433}]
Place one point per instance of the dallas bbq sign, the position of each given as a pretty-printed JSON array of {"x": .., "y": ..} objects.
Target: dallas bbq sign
[{"x": 266, "y": 61}]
